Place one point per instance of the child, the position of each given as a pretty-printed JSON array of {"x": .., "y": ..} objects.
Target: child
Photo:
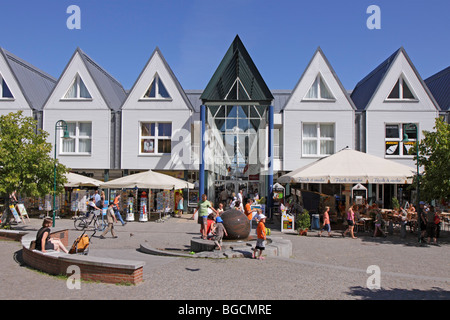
[
  {"x": 261, "y": 233},
  {"x": 326, "y": 222},
  {"x": 219, "y": 231}
]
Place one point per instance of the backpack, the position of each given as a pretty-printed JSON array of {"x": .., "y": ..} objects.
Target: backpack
[{"x": 80, "y": 244}]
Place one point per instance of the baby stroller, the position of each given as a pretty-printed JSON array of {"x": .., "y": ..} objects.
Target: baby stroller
[{"x": 81, "y": 244}]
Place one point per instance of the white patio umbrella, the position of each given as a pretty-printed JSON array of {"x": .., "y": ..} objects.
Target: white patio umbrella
[
  {"x": 147, "y": 180},
  {"x": 350, "y": 166},
  {"x": 77, "y": 180}
]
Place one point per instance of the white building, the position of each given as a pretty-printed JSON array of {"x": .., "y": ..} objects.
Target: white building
[{"x": 157, "y": 125}]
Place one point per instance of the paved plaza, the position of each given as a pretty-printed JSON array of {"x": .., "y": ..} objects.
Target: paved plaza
[{"x": 320, "y": 268}]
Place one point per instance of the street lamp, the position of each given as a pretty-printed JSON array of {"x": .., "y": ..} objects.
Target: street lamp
[
  {"x": 405, "y": 139},
  {"x": 60, "y": 124}
]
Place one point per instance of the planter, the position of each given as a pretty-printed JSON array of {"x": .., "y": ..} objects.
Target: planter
[{"x": 302, "y": 232}]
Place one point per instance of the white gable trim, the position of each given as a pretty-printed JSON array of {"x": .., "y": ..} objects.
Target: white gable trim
[
  {"x": 156, "y": 66},
  {"x": 402, "y": 67},
  {"x": 319, "y": 66},
  {"x": 56, "y": 100},
  {"x": 18, "y": 101}
]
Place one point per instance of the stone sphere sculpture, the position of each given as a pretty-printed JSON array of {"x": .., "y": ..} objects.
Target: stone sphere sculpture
[{"x": 236, "y": 223}]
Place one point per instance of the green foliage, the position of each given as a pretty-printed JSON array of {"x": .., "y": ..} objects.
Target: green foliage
[
  {"x": 303, "y": 220},
  {"x": 395, "y": 203},
  {"x": 26, "y": 163},
  {"x": 434, "y": 155}
]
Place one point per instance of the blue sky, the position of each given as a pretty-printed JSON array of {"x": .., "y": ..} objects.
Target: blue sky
[{"x": 193, "y": 35}]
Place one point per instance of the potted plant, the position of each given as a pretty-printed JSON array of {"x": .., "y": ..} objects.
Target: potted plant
[{"x": 303, "y": 222}]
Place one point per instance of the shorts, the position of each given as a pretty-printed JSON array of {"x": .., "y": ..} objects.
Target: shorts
[
  {"x": 350, "y": 223},
  {"x": 431, "y": 230},
  {"x": 202, "y": 219},
  {"x": 260, "y": 244},
  {"x": 326, "y": 227}
]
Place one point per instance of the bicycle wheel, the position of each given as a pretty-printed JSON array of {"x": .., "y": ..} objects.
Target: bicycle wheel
[
  {"x": 100, "y": 225},
  {"x": 80, "y": 223}
]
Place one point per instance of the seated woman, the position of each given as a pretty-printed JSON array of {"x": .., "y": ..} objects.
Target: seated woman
[{"x": 43, "y": 240}]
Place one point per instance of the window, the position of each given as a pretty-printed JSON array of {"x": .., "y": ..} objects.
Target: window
[
  {"x": 4, "y": 89},
  {"x": 77, "y": 90},
  {"x": 319, "y": 90},
  {"x": 157, "y": 90},
  {"x": 394, "y": 146},
  {"x": 401, "y": 91},
  {"x": 318, "y": 139},
  {"x": 81, "y": 138},
  {"x": 155, "y": 138}
]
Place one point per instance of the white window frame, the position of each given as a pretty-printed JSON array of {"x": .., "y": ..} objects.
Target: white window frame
[
  {"x": 78, "y": 97},
  {"x": 155, "y": 138},
  {"x": 318, "y": 139},
  {"x": 319, "y": 98},
  {"x": 402, "y": 79},
  {"x": 77, "y": 137},
  {"x": 399, "y": 140},
  {"x": 1, "y": 90},
  {"x": 157, "y": 96}
]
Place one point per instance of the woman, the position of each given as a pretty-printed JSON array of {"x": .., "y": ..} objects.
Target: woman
[
  {"x": 350, "y": 221},
  {"x": 326, "y": 222},
  {"x": 43, "y": 240},
  {"x": 378, "y": 223}
]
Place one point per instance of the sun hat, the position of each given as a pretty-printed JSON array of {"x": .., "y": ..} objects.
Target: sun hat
[{"x": 219, "y": 220}]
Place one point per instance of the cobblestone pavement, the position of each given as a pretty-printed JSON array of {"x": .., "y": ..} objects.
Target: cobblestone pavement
[{"x": 320, "y": 268}]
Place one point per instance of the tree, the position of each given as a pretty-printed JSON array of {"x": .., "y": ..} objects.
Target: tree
[
  {"x": 26, "y": 164},
  {"x": 434, "y": 155}
]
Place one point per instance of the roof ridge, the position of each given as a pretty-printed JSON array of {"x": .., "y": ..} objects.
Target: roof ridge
[
  {"x": 28, "y": 66},
  {"x": 106, "y": 73}
]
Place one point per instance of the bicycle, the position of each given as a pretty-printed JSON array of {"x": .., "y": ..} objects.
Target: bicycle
[{"x": 84, "y": 222}]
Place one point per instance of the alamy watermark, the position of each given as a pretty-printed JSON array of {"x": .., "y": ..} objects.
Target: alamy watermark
[
  {"x": 374, "y": 280},
  {"x": 374, "y": 20},
  {"x": 74, "y": 20}
]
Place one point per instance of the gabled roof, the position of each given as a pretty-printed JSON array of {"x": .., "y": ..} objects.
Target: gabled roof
[
  {"x": 439, "y": 85},
  {"x": 345, "y": 92},
  {"x": 172, "y": 75},
  {"x": 366, "y": 88},
  {"x": 34, "y": 83},
  {"x": 111, "y": 90},
  {"x": 364, "y": 91},
  {"x": 237, "y": 64}
]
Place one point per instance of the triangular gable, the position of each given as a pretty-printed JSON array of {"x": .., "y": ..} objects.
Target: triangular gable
[
  {"x": 27, "y": 84},
  {"x": 319, "y": 88},
  {"x": 379, "y": 89},
  {"x": 77, "y": 70},
  {"x": 157, "y": 87},
  {"x": 237, "y": 69}
]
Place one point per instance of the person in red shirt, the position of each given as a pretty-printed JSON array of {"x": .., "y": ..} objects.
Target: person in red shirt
[
  {"x": 248, "y": 209},
  {"x": 261, "y": 241}
]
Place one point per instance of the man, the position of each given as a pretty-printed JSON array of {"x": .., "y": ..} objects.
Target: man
[
  {"x": 202, "y": 209},
  {"x": 111, "y": 219}
]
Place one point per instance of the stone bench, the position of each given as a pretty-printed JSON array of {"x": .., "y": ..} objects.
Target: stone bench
[{"x": 92, "y": 268}]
